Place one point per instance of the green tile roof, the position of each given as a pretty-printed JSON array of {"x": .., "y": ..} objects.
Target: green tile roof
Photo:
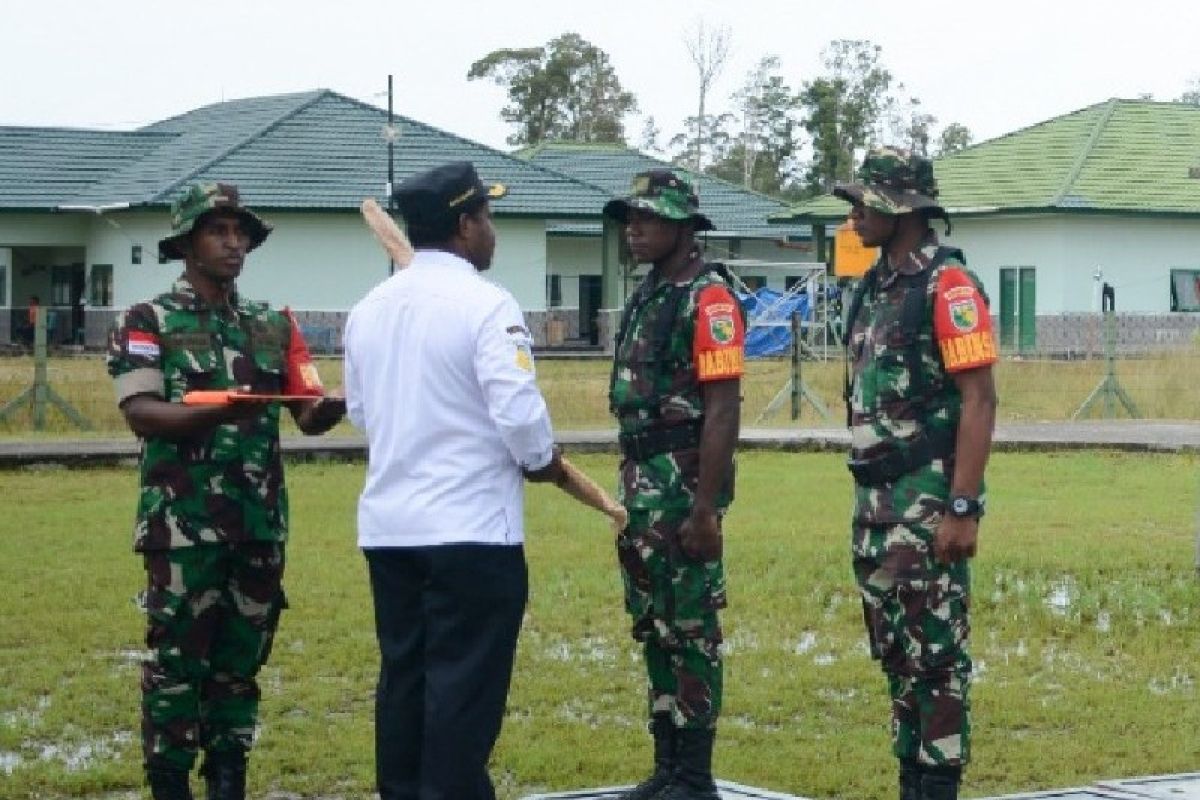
[
  {"x": 1119, "y": 156},
  {"x": 45, "y": 167},
  {"x": 733, "y": 209},
  {"x": 312, "y": 150}
]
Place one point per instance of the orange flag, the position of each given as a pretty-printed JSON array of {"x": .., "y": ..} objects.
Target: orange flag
[{"x": 302, "y": 377}]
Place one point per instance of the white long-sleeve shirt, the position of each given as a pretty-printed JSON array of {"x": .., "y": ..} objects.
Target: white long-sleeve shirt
[{"x": 439, "y": 374}]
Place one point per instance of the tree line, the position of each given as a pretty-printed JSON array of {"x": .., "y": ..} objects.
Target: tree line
[{"x": 790, "y": 142}]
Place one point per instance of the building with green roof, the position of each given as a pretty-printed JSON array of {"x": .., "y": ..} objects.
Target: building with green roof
[
  {"x": 81, "y": 211},
  {"x": 1109, "y": 194},
  {"x": 744, "y": 237}
]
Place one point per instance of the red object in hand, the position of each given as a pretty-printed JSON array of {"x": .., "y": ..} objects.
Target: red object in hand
[{"x": 302, "y": 377}]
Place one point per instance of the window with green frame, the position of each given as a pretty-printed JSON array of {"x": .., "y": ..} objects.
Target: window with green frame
[
  {"x": 100, "y": 288},
  {"x": 1185, "y": 290}
]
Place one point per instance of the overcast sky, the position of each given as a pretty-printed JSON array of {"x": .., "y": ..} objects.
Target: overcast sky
[{"x": 993, "y": 66}]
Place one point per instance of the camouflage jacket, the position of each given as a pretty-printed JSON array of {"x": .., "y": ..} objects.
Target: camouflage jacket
[
  {"x": 885, "y": 412},
  {"x": 650, "y": 389},
  {"x": 225, "y": 485}
]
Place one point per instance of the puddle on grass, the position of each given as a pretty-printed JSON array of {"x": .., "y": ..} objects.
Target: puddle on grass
[
  {"x": 808, "y": 640},
  {"x": 74, "y": 757},
  {"x": 9, "y": 762},
  {"x": 26, "y": 716},
  {"x": 1061, "y": 596}
]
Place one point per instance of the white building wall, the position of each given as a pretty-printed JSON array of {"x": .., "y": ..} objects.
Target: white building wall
[
  {"x": 1135, "y": 255},
  {"x": 569, "y": 257},
  {"x": 311, "y": 262},
  {"x": 572, "y": 256}
]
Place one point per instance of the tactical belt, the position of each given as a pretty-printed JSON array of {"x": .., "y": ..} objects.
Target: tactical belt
[
  {"x": 910, "y": 455},
  {"x": 665, "y": 439}
]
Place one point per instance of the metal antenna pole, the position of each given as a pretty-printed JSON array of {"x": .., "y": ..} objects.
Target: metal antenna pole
[
  {"x": 1109, "y": 389},
  {"x": 391, "y": 185}
]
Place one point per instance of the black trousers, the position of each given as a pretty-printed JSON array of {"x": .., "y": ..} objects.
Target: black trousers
[{"x": 447, "y": 619}]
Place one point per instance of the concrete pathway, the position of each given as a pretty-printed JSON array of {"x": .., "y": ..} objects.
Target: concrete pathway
[{"x": 1164, "y": 436}]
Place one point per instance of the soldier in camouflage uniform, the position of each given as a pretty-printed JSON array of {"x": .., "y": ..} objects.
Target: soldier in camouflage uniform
[
  {"x": 212, "y": 513},
  {"x": 675, "y": 393},
  {"x": 921, "y": 404}
]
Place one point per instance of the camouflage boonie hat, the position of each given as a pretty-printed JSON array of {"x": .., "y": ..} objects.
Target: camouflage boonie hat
[
  {"x": 893, "y": 181},
  {"x": 663, "y": 193},
  {"x": 197, "y": 200}
]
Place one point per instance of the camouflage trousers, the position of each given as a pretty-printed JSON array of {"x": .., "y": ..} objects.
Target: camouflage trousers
[
  {"x": 212, "y": 613},
  {"x": 916, "y": 615},
  {"x": 673, "y": 601}
]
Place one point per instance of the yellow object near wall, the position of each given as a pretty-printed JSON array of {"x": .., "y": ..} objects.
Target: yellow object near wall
[{"x": 851, "y": 258}]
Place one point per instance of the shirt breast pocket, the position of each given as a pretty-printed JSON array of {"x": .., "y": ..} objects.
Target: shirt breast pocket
[{"x": 269, "y": 373}]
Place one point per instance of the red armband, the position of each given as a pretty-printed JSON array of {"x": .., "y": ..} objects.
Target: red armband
[
  {"x": 719, "y": 343},
  {"x": 961, "y": 323}
]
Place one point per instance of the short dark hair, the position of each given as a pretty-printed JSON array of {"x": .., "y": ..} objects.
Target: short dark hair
[{"x": 439, "y": 232}]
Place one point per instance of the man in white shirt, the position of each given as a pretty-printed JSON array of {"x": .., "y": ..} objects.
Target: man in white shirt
[{"x": 439, "y": 373}]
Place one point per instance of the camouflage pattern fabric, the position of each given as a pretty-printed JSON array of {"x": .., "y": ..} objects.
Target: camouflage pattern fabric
[
  {"x": 915, "y": 609},
  {"x": 892, "y": 181},
  {"x": 664, "y": 193},
  {"x": 197, "y": 200},
  {"x": 226, "y": 486},
  {"x": 212, "y": 612},
  {"x": 884, "y": 412},
  {"x": 648, "y": 390},
  {"x": 673, "y": 601}
]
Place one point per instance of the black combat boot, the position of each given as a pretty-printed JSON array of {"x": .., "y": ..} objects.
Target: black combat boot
[
  {"x": 225, "y": 773},
  {"x": 693, "y": 767},
  {"x": 168, "y": 783},
  {"x": 663, "y": 731},
  {"x": 940, "y": 783},
  {"x": 910, "y": 779}
]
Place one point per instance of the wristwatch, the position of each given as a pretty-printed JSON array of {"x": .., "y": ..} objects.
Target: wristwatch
[{"x": 963, "y": 506}]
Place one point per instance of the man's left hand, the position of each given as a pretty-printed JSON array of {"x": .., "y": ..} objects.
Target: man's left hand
[
  {"x": 955, "y": 539},
  {"x": 700, "y": 535},
  {"x": 321, "y": 414}
]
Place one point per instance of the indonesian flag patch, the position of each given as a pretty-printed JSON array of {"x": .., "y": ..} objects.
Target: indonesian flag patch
[{"x": 142, "y": 344}]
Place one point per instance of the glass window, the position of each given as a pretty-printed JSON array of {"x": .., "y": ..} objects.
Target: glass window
[
  {"x": 553, "y": 291},
  {"x": 754, "y": 282},
  {"x": 1185, "y": 290},
  {"x": 60, "y": 286},
  {"x": 100, "y": 289},
  {"x": 3, "y": 284}
]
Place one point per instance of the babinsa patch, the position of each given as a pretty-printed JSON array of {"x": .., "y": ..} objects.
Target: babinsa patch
[{"x": 964, "y": 314}]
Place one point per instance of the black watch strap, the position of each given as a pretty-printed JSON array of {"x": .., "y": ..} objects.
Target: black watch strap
[{"x": 962, "y": 505}]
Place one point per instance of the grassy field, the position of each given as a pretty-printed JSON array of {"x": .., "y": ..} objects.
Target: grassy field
[
  {"x": 1163, "y": 387},
  {"x": 1086, "y": 637}
]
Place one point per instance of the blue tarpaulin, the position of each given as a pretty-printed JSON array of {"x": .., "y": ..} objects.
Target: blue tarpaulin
[{"x": 774, "y": 338}]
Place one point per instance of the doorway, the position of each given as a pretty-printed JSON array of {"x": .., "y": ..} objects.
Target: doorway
[
  {"x": 590, "y": 289},
  {"x": 1018, "y": 309}
]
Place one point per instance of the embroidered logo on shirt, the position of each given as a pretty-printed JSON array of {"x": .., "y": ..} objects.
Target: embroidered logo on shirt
[
  {"x": 142, "y": 344},
  {"x": 721, "y": 328},
  {"x": 964, "y": 314}
]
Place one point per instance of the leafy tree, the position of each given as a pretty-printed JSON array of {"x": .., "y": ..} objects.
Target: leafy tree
[
  {"x": 955, "y": 137},
  {"x": 762, "y": 156},
  {"x": 708, "y": 49},
  {"x": 716, "y": 130},
  {"x": 650, "y": 133},
  {"x": 909, "y": 125},
  {"x": 1192, "y": 94},
  {"x": 566, "y": 89},
  {"x": 843, "y": 109}
]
